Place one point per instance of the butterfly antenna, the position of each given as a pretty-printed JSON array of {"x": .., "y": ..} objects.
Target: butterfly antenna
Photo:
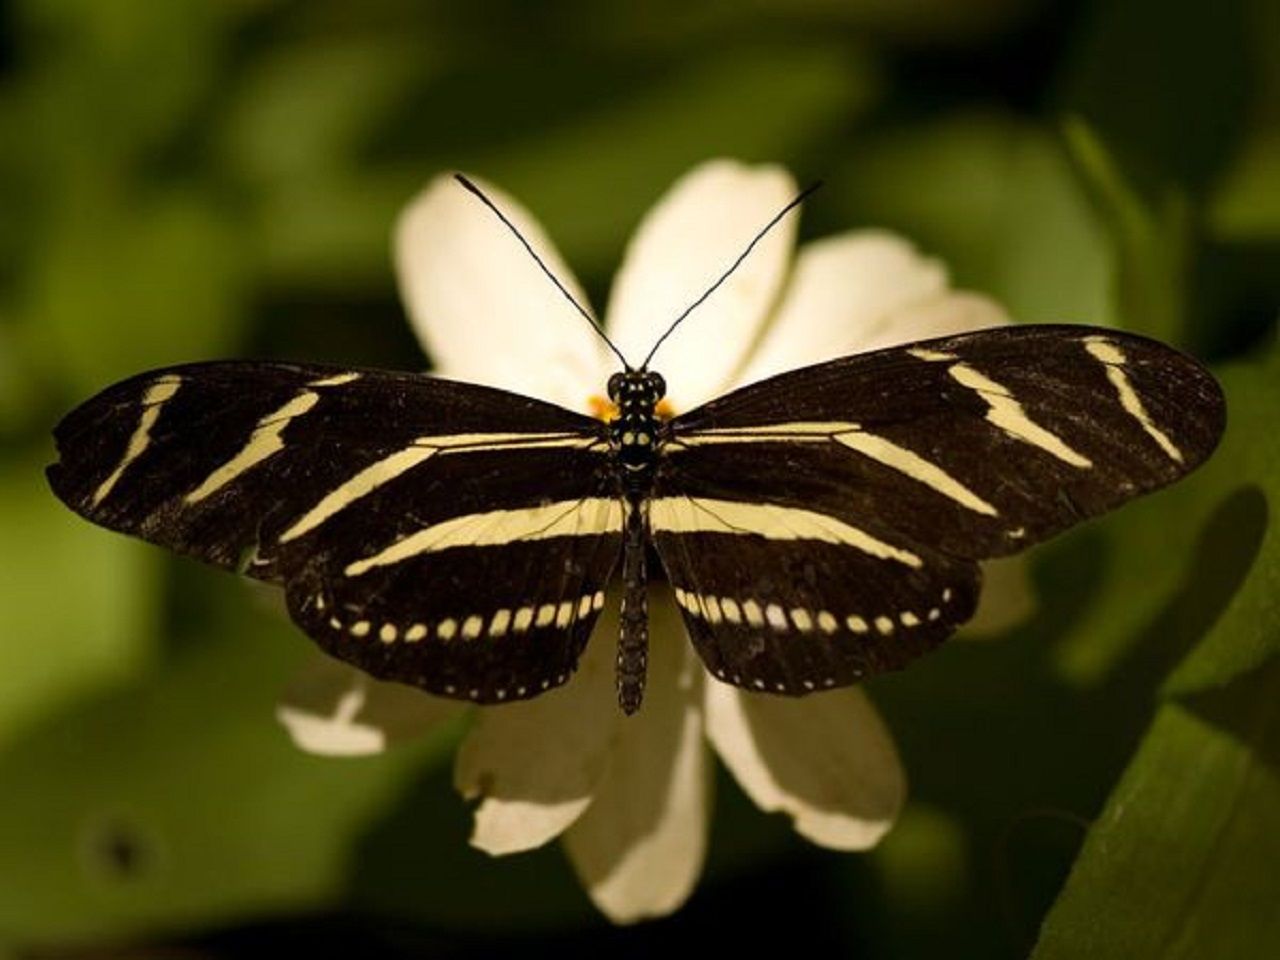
[
  {"x": 799, "y": 198},
  {"x": 545, "y": 269}
]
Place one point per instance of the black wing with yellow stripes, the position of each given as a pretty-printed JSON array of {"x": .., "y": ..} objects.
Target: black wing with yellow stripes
[
  {"x": 825, "y": 524},
  {"x": 817, "y": 527},
  {"x": 443, "y": 534}
]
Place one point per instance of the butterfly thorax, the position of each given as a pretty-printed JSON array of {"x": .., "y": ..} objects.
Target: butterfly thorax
[{"x": 634, "y": 432}]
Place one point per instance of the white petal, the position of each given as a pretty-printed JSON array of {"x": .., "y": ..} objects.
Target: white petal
[
  {"x": 955, "y": 311},
  {"x": 684, "y": 243},
  {"x": 1008, "y": 598},
  {"x": 826, "y": 760},
  {"x": 481, "y": 306},
  {"x": 861, "y": 291},
  {"x": 640, "y": 846},
  {"x": 534, "y": 764},
  {"x": 334, "y": 710}
]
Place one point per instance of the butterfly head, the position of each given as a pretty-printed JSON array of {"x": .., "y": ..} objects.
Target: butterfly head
[{"x": 635, "y": 388}]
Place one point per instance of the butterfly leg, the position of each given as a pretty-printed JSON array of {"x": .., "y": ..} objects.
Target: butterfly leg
[{"x": 633, "y": 644}]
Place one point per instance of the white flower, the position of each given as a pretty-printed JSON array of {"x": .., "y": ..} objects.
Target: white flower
[{"x": 630, "y": 796}]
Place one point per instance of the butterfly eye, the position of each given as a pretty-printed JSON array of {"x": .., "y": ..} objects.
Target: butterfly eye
[
  {"x": 659, "y": 385},
  {"x": 615, "y": 386}
]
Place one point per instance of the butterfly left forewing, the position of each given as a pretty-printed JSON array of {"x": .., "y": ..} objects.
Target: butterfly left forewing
[
  {"x": 442, "y": 534},
  {"x": 828, "y": 483}
]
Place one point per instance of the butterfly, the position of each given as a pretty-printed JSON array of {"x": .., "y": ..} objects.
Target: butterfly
[{"x": 817, "y": 527}]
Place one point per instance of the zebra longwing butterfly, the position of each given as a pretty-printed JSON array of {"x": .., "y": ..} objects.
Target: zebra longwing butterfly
[{"x": 817, "y": 527}]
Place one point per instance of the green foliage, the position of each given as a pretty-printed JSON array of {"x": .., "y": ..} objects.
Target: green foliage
[
  {"x": 1166, "y": 85},
  {"x": 56, "y": 651},
  {"x": 176, "y": 800},
  {"x": 994, "y": 196},
  {"x": 1180, "y": 864},
  {"x": 1153, "y": 240},
  {"x": 1181, "y": 861},
  {"x": 1247, "y": 637}
]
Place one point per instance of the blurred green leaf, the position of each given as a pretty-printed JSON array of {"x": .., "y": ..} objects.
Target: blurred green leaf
[
  {"x": 1181, "y": 863},
  {"x": 925, "y": 861},
  {"x": 1246, "y": 205},
  {"x": 1165, "y": 85},
  {"x": 16, "y": 386},
  {"x": 1152, "y": 239},
  {"x": 179, "y": 801},
  {"x": 95, "y": 80},
  {"x": 798, "y": 96},
  {"x": 665, "y": 23},
  {"x": 299, "y": 130},
  {"x": 123, "y": 287},
  {"x": 1246, "y": 201},
  {"x": 997, "y": 200},
  {"x": 77, "y": 608},
  {"x": 125, "y": 257},
  {"x": 922, "y": 21},
  {"x": 308, "y": 110},
  {"x": 330, "y": 222},
  {"x": 1248, "y": 634}
]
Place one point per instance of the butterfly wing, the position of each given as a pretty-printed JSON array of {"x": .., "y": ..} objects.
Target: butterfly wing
[
  {"x": 850, "y": 501},
  {"x": 789, "y": 600},
  {"x": 442, "y": 534}
]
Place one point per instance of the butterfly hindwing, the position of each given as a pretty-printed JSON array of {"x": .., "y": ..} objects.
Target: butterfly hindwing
[
  {"x": 824, "y": 481},
  {"x": 447, "y": 535},
  {"x": 785, "y": 601},
  {"x": 483, "y": 623}
]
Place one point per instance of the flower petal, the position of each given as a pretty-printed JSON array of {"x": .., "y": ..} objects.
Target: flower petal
[
  {"x": 952, "y": 312},
  {"x": 480, "y": 305},
  {"x": 639, "y": 848},
  {"x": 862, "y": 291},
  {"x": 534, "y": 764},
  {"x": 334, "y": 710},
  {"x": 684, "y": 243},
  {"x": 826, "y": 760}
]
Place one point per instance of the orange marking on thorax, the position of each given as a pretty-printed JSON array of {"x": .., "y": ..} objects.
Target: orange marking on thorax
[{"x": 602, "y": 408}]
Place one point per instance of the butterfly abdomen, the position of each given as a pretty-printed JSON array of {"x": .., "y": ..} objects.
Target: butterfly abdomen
[{"x": 633, "y": 642}]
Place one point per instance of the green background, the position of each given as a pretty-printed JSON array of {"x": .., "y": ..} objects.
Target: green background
[{"x": 204, "y": 178}]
